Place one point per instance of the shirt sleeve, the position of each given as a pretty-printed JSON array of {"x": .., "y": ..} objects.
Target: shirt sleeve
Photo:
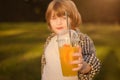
[{"x": 89, "y": 55}]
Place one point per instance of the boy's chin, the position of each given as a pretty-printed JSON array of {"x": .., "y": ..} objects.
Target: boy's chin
[{"x": 62, "y": 32}]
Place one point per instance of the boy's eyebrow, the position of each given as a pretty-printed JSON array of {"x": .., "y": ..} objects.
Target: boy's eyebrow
[{"x": 53, "y": 15}]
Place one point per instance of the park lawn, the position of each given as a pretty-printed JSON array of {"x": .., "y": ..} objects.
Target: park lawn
[{"x": 21, "y": 46}]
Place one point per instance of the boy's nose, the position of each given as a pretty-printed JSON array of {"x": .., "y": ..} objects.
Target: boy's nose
[{"x": 59, "y": 21}]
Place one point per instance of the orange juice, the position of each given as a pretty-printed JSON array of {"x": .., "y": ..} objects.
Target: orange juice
[{"x": 66, "y": 57}]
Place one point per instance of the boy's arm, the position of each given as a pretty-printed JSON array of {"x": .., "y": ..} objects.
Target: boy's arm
[{"x": 91, "y": 62}]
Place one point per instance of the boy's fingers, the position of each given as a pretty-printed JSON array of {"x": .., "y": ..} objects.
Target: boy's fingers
[
  {"x": 75, "y": 62},
  {"x": 79, "y": 61},
  {"x": 78, "y": 68},
  {"x": 77, "y": 55}
]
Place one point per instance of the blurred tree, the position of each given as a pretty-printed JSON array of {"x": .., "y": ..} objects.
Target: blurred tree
[
  {"x": 22, "y": 10},
  {"x": 105, "y": 11},
  {"x": 39, "y": 7},
  {"x": 34, "y": 10}
]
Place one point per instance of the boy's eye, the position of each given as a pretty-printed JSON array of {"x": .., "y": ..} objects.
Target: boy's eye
[
  {"x": 53, "y": 17},
  {"x": 64, "y": 17}
]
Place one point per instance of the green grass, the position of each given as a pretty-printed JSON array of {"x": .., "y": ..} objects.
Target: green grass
[
  {"x": 20, "y": 49},
  {"x": 21, "y": 46},
  {"x": 107, "y": 41}
]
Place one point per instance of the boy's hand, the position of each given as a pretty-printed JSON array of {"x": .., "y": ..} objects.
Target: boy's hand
[{"x": 78, "y": 61}]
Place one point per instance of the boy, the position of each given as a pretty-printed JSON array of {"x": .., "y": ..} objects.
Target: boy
[{"x": 88, "y": 63}]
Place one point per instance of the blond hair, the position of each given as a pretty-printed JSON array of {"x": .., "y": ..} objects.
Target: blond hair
[{"x": 62, "y": 6}]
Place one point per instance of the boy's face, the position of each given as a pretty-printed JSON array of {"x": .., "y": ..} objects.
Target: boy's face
[{"x": 58, "y": 24}]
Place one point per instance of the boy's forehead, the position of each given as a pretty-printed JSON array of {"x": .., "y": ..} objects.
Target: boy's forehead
[{"x": 57, "y": 13}]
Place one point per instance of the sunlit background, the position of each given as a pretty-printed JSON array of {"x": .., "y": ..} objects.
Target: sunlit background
[{"x": 23, "y": 32}]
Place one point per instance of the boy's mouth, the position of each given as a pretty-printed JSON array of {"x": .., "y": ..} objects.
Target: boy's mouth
[{"x": 59, "y": 28}]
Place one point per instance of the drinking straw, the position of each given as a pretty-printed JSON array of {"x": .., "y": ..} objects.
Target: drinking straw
[{"x": 68, "y": 26}]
